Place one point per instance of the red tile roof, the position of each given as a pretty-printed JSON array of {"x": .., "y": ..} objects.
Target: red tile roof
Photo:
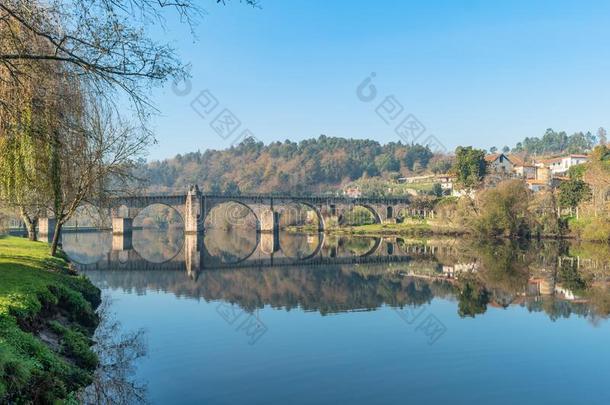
[{"x": 516, "y": 160}]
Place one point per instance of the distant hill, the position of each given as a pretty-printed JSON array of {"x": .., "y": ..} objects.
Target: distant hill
[
  {"x": 312, "y": 165},
  {"x": 323, "y": 164}
]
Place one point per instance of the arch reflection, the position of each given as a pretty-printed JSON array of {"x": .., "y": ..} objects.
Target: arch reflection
[{"x": 542, "y": 277}]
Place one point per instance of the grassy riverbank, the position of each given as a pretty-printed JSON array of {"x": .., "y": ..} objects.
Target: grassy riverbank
[{"x": 47, "y": 318}]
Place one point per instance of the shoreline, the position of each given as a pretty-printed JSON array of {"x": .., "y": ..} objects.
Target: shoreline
[
  {"x": 47, "y": 322},
  {"x": 420, "y": 230}
]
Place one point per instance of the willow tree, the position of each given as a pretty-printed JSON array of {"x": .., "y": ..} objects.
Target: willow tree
[
  {"x": 21, "y": 187},
  {"x": 62, "y": 145},
  {"x": 92, "y": 159},
  {"x": 63, "y": 63},
  {"x": 23, "y": 151}
]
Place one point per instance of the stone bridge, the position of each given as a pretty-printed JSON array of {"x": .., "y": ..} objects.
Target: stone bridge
[{"x": 195, "y": 208}]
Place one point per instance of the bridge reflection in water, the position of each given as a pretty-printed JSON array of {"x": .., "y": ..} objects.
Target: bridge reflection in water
[
  {"x": 329, "y": 274},
  {"x": 195, "y": 253}
]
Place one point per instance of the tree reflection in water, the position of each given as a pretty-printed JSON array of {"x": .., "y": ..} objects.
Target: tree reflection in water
[
  {"x": 560, "y": 278},
  {"x": 118, "y": 351}
]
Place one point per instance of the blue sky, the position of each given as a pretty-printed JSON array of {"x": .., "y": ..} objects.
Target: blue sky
[{"x": 486, "y": 73}]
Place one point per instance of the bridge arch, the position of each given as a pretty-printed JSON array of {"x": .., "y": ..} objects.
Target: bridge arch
[
  {"x": 318, "y": 249},
  {"x": 231, "y": 216},
  {"x": 348, "y": 214},
  {"x": 163, "y": 256},
  {"x": 150, "y": 206},
  {"x": 310, "y": 253},
  {"x": 376, "y": 245},
  {"x": 321, "y": 223},
  {"x": 361, "y": 246},
  {"x": 295, "y": 213},
  {"x": 208, "y": 246},
  {"x": 120, "y": 210}
]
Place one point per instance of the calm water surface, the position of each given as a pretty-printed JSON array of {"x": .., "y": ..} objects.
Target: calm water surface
[{"x": 357, "y": 320}]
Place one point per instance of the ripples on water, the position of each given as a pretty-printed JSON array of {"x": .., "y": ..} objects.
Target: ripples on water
[{"x": 318, "y": 319}]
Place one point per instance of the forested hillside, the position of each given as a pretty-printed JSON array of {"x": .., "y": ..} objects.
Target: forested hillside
[
  {"x": 323, "y": 164},
  {"x": 313, "y": 165}
]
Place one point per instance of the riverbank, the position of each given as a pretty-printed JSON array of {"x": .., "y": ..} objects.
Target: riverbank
[
  {"x": 584, "y": 230},
  {"x": 47, "y": 320},
  {"x": 410, "y": 227}
]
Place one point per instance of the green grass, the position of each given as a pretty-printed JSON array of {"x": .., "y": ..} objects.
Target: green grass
[
  {"x": 589, "y": 228},
  {"x": 36, "y": 293},
  {"x": 410, "y": 226},
  {"x": 404, "y": 227},
  {"x": 425, "y": 187}
]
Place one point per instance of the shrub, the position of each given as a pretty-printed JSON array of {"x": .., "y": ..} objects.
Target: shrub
[
  {"x": 503, "y": 211},
  {"x": 543, "y": 215},
  {"x": 597, "y": 229}
]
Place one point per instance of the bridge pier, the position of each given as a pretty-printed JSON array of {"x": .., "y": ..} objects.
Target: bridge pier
[
  {"x": 269, "y": 221},
  {"x": 122, "y": 242},
  {"x": 193, "y": 249},
  {"x": 269, "y": 243},
  {"x": 46, "y": 229},
  {"x": 192, "y": 211},
  {"x": 122, "y": 226}
]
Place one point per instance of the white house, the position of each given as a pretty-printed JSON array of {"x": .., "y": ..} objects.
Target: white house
[
  {"x": 561, "y": 165},
  {"x": 446, "y": 182}
]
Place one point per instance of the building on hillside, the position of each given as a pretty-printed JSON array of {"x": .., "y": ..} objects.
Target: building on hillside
[
  {"x": 446, "y": 181},
  {"x": 521, "y": 167},
  {"x": 499, "y": 163},
  {"x": 543, "y": 173},
  {"x": 352, "y": 192},
  {"x": 416, "y": 179},
  {"x": 499, "y": 168},
  {"x": 525, "y": 171},
  {"x": 516, "y": 160},
  {"x": 561, "y": 165}
]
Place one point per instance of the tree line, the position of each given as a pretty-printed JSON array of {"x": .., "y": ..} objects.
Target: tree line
[
  {"x": 552, "y": 142},
  {"x": 324, "y": 163},
  {"x": 312, "y": 165}
]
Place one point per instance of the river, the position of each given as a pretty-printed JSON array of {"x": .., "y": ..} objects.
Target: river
[{"x": 319, "y": 319}]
